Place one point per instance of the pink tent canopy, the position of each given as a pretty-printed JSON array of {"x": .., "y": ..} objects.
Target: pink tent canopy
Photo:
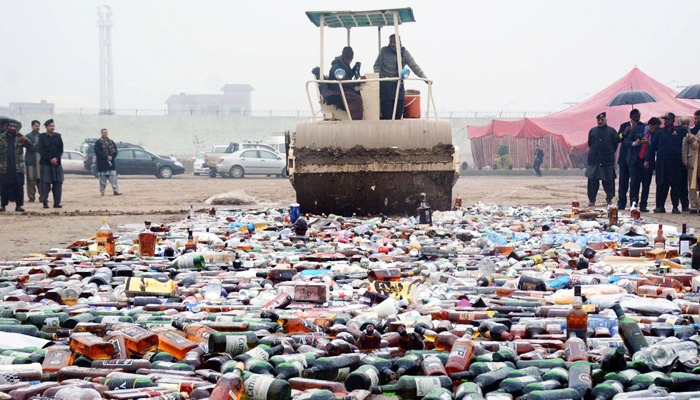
[{"x": 569, "y": 128}]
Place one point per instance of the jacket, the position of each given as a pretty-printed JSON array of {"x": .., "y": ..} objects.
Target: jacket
[
  {"x": 333, "y": 89},
  {"x": 32, "y": 154},
  {"x": 667, "y": 145},
  {"x": 633, "y": 152},
  {"x": 50, "y": 147},
  {"x": 602, "y": 143},
  {"x": 101, "y": 154},
  {"x": 690, "y": 149},
  {"x": 622, "y": 157},
  {"x": 19, "y": 154},
  {"x": 386, "y": 66}
]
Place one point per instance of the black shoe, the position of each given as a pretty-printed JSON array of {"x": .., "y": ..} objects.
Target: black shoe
[
  {"x": 31, "y": 200},
  {"x": 644, "y": 209},
  {"x": 675, "y": 210},
  {"x": 693, "y": 212},
  {"x": 19, "y": 209},
  {"x": 2, "y": 208},
  {"x": 686, "y": 210},
  {"x": 57, "y": 206},
  {"x": 659, "y": 211},
  {"x": 46, "y": 205},
  {"x": 591, "y": 204},
  {"x": 622, "y": 206}
]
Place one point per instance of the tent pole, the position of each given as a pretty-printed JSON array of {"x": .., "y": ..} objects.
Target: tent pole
[{"x": 550, "y": 151}]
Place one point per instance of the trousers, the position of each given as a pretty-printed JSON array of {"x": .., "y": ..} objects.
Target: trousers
[
  {"x": 387, "y": 94},
  {"x": 693, "y": 193},
  {"x": 640, "y": 177},
  {"x": 623, "y": 186},
  {"x": 33, "y": 182},
  {"x": 51, "y": 187},
  {"x": 110, "y": 175},
  {"x": 12, "y": 191},
  {"x": 608, "y": 186},
  {"x": 536, "y": 166}
]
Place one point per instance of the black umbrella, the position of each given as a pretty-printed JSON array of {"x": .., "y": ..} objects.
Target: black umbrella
[
  {"x": 690, "y": 92},
  {"x": 632, "y": 97}
]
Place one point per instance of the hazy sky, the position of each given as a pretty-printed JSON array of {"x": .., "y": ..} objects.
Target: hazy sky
[{"x": 482, "y": 55}]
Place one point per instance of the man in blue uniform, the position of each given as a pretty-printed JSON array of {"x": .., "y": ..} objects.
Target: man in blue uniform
[
  {"x": 602, "y": 143},
  {"x": 539, "y": 157},
  {"x": 624, "y": 131},
  {"x": 666, "y": 146},
  {"x": 637, "y": 143}
]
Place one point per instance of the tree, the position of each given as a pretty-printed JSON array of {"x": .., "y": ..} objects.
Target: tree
[{"x": 503, "y": 156}]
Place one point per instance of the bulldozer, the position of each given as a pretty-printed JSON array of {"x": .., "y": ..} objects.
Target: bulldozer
[{"x": 371, "y": 166}]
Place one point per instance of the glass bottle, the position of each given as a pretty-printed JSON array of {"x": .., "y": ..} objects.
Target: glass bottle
[
  {"x": 138, "y": 340},
  {"x": 147, "y": 241},
  {"x": 91, "y": 346},
  {"x": 460, "y": 355},
  {"x": 190, "y": 246},
  {"x": 629, "y": 331},
  {"x": 575, "y": 205},
  {"x": 577, "y": 318},
  {"x": 635, "y": 213},
  {"x": 363, "y": 378},
  {"x": 432, "y": 366},
  {"x": 614, "y": 360},
  {"x": 684, "y": 242},
  {"x": 695, "y": 259},
  {"x": 414, "y": 387},
  {"x": 660, "y": 240},
  {"x": 369, "y": 339},
  {"x": 580, "y": 378},
  {"x": 613, "y": 212},
  {"x": 575, "y": 349},
  {"x": 105, "y": 239},
  {"x": 424, "y": 212},
  {"x": 174, "y": 343},
  {"x": 56, "y": 358}
]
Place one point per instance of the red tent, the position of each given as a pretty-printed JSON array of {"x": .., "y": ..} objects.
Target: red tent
[{"x": 564, "y": 135}]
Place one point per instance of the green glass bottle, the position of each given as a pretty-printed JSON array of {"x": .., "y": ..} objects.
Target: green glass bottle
[
  {"x": 490, "y": 380},
  {"x": 624, "y": 377},
  {"x": 558, "y": 374},
  {"x": 414, "y": 387},
  {"x": 363, "y": 378},
  {"x": 286, "y": 371},
  {"x": 307, "y": 360},
  {"x": 330, "y": 368},
  {"x": 606, "y": 390},
  {"x": 262, "y": 387},
  {"x": 614, "y": 360},
  {"x": 515, "y": 386},
  {"x": 679, "y": 382},
  {"x": 469, "y": 391},
  {"x": 544, "y": 385},
  {"x": 580, "y": 378},
  {"x": 629, "y": 331},
  {"x": 234, "y": 343},
  {"x": 643, "y": 381},
  {"x": 439, "y": 394},
  {"x": 383, "y": 365},
  {"x": 559, "y": 394}
]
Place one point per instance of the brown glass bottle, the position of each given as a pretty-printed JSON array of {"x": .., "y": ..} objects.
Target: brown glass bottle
[
  {"x": 105, "y": 239},
  {"x": 198, "y": 333},
  {"x": 384, "y": 275},
  {"x": 119, "y": 343},
  {"x": 138, "y": 340},
  {"x": 56, "y": 358},
  {"x": 190, "y": 246},
  {"x": 577, "y": 318},
  {"x": 147, "y": 241},
  {"x": 91, "y": 346},
  {"x": 660, "y": 240},
  {"x": 174, "y": 343}
]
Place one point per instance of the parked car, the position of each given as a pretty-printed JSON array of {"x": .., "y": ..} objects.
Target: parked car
[
  {"x": 73, "y": 162},
  {"x": 88, "y": 149},
  {"x": 212, "y": 159},
  {"x": 198, "y": 165},
  {"x": 137, "y": 161},
  {"x": 252, "y": 162}
]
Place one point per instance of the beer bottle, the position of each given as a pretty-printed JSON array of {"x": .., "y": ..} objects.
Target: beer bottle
[
  {"x": 363, "y": 378},
  {"x": 414, "y": 387},
  {"x": 629, "y": 331},
  {"x": 614, "y": 360},
  {"x": 606, "y": 390}
]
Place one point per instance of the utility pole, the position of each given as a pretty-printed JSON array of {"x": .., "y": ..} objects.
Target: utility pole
[{"x": 104, "y": 23}]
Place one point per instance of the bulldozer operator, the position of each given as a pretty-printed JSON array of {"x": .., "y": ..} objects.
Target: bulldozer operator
[
  {"x": 386, "y": 66},
  {"x": 340, "y": 70}
]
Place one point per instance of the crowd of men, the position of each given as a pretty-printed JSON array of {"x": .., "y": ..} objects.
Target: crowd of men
[
  {"x": 658, "y": 147},
  {"x": 41, "y": 166}
]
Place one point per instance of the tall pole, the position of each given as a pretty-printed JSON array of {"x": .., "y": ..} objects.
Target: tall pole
[{"x": 104, "y": 24}]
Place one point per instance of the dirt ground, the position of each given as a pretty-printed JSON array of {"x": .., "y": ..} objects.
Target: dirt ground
[{"x": 158, "y": 200}]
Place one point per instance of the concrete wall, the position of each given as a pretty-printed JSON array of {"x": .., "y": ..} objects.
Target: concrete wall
[{"x": 178, "y": 135}]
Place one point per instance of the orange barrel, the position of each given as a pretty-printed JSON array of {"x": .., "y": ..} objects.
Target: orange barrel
[{"x": 412, "y": 107}]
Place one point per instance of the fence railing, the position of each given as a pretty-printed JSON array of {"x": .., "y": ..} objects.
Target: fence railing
[{"x": 252, "y": 113}]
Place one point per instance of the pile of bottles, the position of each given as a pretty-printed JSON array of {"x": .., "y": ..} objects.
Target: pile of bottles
[{"x": 480, "y": 302}]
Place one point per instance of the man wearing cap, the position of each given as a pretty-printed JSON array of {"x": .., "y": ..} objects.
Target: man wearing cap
[
  {"x": 637, "y": 143},
  {"x": 51, "y": 150},
  {"x": 666, "y": 147},
  {"x": 341, "y": 71},
  {"x": 624, "y": 131},
  {"x": 602, "y": 144},
  {"x": 12, "y": 145}
]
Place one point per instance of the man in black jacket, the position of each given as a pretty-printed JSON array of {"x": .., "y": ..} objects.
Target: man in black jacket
[
  {"x": 602, "y": 142},
  {"x": 666, "y": 147},
  {"x": 51, "y": 150},
  {"x": 637, "y": 142},
  {"x": 539, "y": 157},
  {"x": 106, "y": 155},
  {"x": 623, "y": 185},
  {"x": 341, "y": 71}
]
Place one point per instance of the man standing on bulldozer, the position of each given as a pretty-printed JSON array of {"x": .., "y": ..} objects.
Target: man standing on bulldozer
[{"x": 387, "y": 67}]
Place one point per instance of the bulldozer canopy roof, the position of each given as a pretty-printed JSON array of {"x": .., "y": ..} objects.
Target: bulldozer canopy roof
[{"x": 355, "y": 19}]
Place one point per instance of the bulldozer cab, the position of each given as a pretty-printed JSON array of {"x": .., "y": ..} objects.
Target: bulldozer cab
[{"x": 368, "y": 86}]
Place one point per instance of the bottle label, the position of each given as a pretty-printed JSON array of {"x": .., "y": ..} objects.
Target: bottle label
[
  {"x": 458, "y": 351},
  {"x": 259, "y": 354},
  {"x": 492, "y": 366},
  {"x": 300, "y": 358},
  {"x": 236, "y": 344},
  {"x": 526, "y": 379},
  {"x": 684, "y": 247},
  {"x": 175, "y": 338},
  {"x": 299, "y": 366},
  {"x": 617, "y": 387},
  {"x": 224, "y": 318},
  {"x": 56, "y": 358},
  {"x": 118, "y": 362},
  {"x": 424, "y": 385},
  {"x": 372, "y": 375},
  {"x": 446, "y": 396},
  {"x": 257, "y": 386},
  {"x": 110, "y": 319},
  {"x": 6, "y": 360},
  {"x": 629, "y": 373},
  {"x": 660, "y": 245},
  {"x": 52, "y": 322},
  {"x": 342, "y": 374}
]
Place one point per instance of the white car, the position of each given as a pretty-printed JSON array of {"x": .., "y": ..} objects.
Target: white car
[
  {"x": 73, "y": 162},
  {"x": 198, "y": 165},
  {"x": 251, "y": 162}
]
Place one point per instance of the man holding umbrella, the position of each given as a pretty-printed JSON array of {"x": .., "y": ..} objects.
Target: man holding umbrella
[
  {"x": 602, "y": 144},
  {"x": 666, "y": 146}
]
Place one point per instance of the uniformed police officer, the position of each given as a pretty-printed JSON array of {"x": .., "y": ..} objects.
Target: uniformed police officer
[
  {"x": 623, "y": 184},
  {"x": 637, "y": 143},
  {"x": 602, "y": 144},
  {"x": 666, "y": 146}
]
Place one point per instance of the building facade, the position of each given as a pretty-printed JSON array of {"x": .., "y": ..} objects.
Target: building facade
[{"x": 235, "y": 100}]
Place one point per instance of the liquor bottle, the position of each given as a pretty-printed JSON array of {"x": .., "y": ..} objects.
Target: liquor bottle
[
  {"x": 515, "y": 386},
  {"x": 384, "y": 275},
  {"x": 260, "y": 352},
  {"x": 409, "y": 341},
  {"x": 577, "y": 318},
  {"x": 105, "y": 239},
  {"x": 624, "y": 377},
  {"x": 606, "y": 390},
  {"x": 363, "y": 378},
  {"x": 494, "y": 331},
  {"x": 414, "y": 387},
  {"x": 138, "y": 340},
  {"x": 424, "y": 212},
  {"x": 695, "y": 259},
  {"x": 505, "y": 354},
  {"x": 490, "y": 380},
  {"x": 635, "y": 213},
  {"x": 261, "y": 387},
  {"x": 580, "y": 378},
  {"x": 575, "y": 205},
  {"x": 91, "y": 346},
  {"x": 56, "y": 358},
  {"x": 306, "y": 360},
  {"x": 684, "y": 242},
  {"x": 369, "y": 340},
  {"x": 559, "y": 394},
  {"x": 614, "y": 360},
  {"x": 643, "y": 381},
  {"x": 660, "y": 240},
  {"x": 629, "y": 331},
  {"x": 190, "y": 246},
  {"x": 468, "y": 391},
  {"x": 576, "y": 349},
  {"x": 613, "y": 213},
  {"x": 560, "y": 375},
  {"x": 432, "y": 366},
  {"x": 661, "y": 355},
  {"x": 460, "y": 355},
  {"x": 407, "y": 365},
  {"x": 232, "y": 343},
  {"x": 679, "y": 382},
  {"x": 174, "y": 343},
  {"x": 541, "y": 386},
  {"x": 330, "y": 368},
  {"x": 147, "y": 241},
  {"x": 382, "y": 365}
]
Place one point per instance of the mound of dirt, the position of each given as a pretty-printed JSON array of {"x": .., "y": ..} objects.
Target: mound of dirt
[
  {"x": 232, "y": 198},
  {"x": 362, "y": 155}
]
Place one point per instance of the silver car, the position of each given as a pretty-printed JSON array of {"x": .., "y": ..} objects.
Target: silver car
[
  {"x": 198, "y": 165},
  {"x": 251, "y": 162}
]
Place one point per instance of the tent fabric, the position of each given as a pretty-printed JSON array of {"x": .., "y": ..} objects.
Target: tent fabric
[{"x": 569, "y": 128}]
